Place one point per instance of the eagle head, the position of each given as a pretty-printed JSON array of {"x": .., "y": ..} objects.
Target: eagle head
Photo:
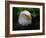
[{"x": 25, "y": 18}]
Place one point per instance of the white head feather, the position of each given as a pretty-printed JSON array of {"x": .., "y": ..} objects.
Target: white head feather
[{"x": 22, "y": 19}]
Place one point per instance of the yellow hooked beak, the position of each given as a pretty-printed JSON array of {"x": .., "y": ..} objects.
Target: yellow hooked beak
[{"x": 29, "y": 17}]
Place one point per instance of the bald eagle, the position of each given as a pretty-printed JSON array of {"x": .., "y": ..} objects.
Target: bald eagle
[
  {"x": 26, "y": 21},
  {"x": 25, "y": 18}
]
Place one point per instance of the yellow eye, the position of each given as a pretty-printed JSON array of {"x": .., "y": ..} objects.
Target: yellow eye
[{"x": 29, "y": 17}]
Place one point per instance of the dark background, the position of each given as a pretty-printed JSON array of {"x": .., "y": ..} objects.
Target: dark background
[{"x": 35, "y": 19}]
